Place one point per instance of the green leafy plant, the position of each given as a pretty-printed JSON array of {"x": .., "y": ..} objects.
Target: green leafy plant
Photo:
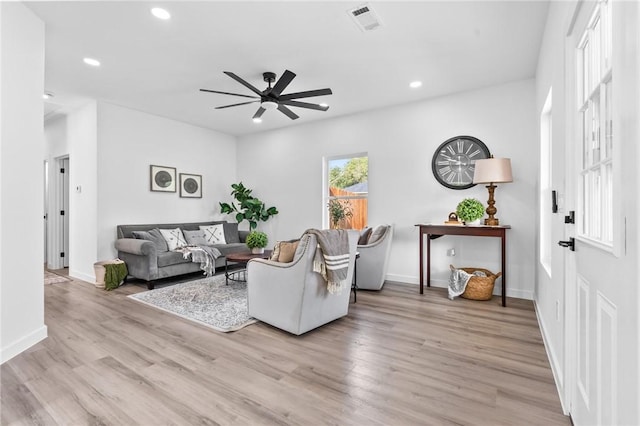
[
  {"x": 470, "y": 209},
  {"x": 248, "y": 207},
  {"x": 339, "y": 210},
  {"x": 256, "y": 239}
]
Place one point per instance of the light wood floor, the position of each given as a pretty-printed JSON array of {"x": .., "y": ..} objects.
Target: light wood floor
[{"x": 398, "y": 358}]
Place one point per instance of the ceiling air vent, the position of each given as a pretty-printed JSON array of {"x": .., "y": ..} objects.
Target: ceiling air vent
[{"x": 365, "y": 17}]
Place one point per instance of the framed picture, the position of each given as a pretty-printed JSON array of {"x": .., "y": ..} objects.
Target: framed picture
[
  {"x": 190, "y": 185},
  {"x": 163, "y": 179}
]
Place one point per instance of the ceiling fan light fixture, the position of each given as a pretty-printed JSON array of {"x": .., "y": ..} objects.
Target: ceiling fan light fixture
[
  {"x": 257, "y": 120},
  {"x": 269, "y": 105}
]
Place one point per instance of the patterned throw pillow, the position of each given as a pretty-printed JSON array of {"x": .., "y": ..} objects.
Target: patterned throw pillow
[
  {"x": 174, "y": 238},
  {"x": 214, "y": 234},
  {"x": 195, "y": 238}
]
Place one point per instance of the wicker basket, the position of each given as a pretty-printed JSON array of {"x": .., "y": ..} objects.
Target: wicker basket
[{"x": 479, "y": 288}]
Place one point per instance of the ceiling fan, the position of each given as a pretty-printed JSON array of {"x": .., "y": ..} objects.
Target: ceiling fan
[{"x": 272, "y": 97}]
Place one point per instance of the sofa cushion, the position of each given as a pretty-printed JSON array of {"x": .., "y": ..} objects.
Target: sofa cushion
[
  {"x": 174, "y": 238},
  {"x": 231, "y": 234},
  {"x": 226, "y": 249},
  {"x": 171, "y": 258},
  {"x": 214, "y": 234},
  {"x": 154, "y": 236},
  {"x": 195, "y": 238}
]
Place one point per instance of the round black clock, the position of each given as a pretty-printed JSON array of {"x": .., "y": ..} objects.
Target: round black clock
[{"x": 454, "y": 161}]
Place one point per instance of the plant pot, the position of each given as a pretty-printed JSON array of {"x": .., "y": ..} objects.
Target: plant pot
[
  {"x": 476, "y": 222},
  {"x": 257, "y": 250}
]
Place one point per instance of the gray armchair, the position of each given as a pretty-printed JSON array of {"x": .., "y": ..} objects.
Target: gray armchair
[
  {"x": 374, "y": 259},
  {"x": 292, "y": 297}
]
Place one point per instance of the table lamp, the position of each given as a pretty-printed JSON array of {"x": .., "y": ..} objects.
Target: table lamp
[{"x": 492, "y": 171}]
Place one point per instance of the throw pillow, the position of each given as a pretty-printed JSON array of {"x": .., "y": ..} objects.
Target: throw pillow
[
  {"x": 195, "y": 238},
  {"x": 174, "y": 238},
  {"x": 231, "y": 233},
  {"x": 154, "y": 236},
  {"x": 284, "y": 251},
  {"x": 214, "y": 234},
  {"x": 377, "y": 234},
  {"x": 364, "y": 236},
  {"x": 287, "y": 250}
]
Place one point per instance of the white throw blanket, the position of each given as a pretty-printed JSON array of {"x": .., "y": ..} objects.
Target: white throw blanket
[
  {"x": 459, "y": 279},
  {"x": 204, "y": 255}
]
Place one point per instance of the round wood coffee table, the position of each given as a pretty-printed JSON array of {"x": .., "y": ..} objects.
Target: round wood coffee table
[{"x": 241, "y": 258}]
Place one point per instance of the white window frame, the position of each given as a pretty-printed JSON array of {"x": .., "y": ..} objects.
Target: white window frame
[
  {"x": 325, "y": 185},
  {"x": 598, "y": 203}
]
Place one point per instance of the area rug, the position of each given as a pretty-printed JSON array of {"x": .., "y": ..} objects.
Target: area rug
[
  {"x": 51, "y": 278},
  {"x": 207, "y": 301}
]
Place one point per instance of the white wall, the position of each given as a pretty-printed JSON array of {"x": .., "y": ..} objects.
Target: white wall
[
  {"x": 128, "y": 143},
  {"x": 284, "y": 167},
  {"x": 21, "y": 180},
  {"x": 551, "y": 290},
  {"x": 110, "y": 150}
]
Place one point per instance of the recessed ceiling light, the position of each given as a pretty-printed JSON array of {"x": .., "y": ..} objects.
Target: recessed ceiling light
[
  {"x": 257, "y": 120},
  {"x": 160, "y": 13},
  {"x": 92, "y": 62},
  {"x": 415, "y": 84},
  {"x": 47, "y": 95}
]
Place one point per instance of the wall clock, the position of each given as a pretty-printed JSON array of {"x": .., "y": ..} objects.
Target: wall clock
[{"x": 454, "y": 161}]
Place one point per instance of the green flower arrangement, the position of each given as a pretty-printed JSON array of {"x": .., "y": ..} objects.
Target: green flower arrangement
[
  {"x": 470, "y": 209},
  {"x": 256, "y": 239}
]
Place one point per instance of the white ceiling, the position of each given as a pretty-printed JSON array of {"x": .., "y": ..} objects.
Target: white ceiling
[{"x": 158, "y": 66}]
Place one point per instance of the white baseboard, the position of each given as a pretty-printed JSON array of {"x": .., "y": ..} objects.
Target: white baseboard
[
  {"x": 82, "y": 276},
  {"x": 440, "y": 283},
  {"x": 556, "y": 368},
  {"x": 23, "y": 344}
]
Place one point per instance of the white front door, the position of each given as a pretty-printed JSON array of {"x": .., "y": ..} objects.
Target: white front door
[{"x": 601, "y": 274}]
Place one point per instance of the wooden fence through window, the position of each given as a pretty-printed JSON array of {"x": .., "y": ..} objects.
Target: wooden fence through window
[{"x": 358, "y": 207}]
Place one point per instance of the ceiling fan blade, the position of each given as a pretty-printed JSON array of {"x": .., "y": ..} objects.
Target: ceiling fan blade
[
  {"x": 232, "y": 105},
  {"x": 227, "y": 93},
  {"x": 286, "y": 111},
  {"x": 307, "y": 94},
  {"x": 259, "y": 113},
  {"x": 305, "y": 105},
  {"x": 244, "y": 83},
  {"x": 282, "y": 83}
]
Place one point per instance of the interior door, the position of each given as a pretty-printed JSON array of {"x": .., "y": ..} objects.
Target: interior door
[{"x": 64, "y": 212}]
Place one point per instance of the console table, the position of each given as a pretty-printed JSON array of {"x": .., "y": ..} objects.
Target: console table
[{"x": 436, "y": 231}]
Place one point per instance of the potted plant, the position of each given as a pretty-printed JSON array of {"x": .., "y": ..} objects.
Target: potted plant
[
  {"x": 257, "y": 241},
  {"x": 339, "y": 211},
  {"x": 470, "y": 210},
  {"x": 249, "y": 208}
]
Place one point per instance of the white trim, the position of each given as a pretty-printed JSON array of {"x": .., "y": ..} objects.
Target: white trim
[
  {"x": 23, "y": 344},
  {"x": 556, "y": 366},
  {"x": 82, "y": 276}
]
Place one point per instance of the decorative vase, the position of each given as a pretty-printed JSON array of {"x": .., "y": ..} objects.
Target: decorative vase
[
  {"x": 257, "y": 250},
  {"x": 476, "y": 222}
]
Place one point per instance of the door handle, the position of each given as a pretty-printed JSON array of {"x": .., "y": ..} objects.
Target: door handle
[{"x": 571, "y": 244}]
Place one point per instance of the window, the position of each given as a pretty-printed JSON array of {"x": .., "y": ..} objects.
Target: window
[
  {"x": 346, "y": 191},
  {"x": 594, "y": 108}
]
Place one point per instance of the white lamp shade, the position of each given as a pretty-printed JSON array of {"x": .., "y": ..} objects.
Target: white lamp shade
[{"x": 493, "y": 170}]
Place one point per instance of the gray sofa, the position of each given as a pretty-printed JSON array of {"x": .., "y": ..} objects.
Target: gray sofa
[{"x": 147, "y": 262}]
